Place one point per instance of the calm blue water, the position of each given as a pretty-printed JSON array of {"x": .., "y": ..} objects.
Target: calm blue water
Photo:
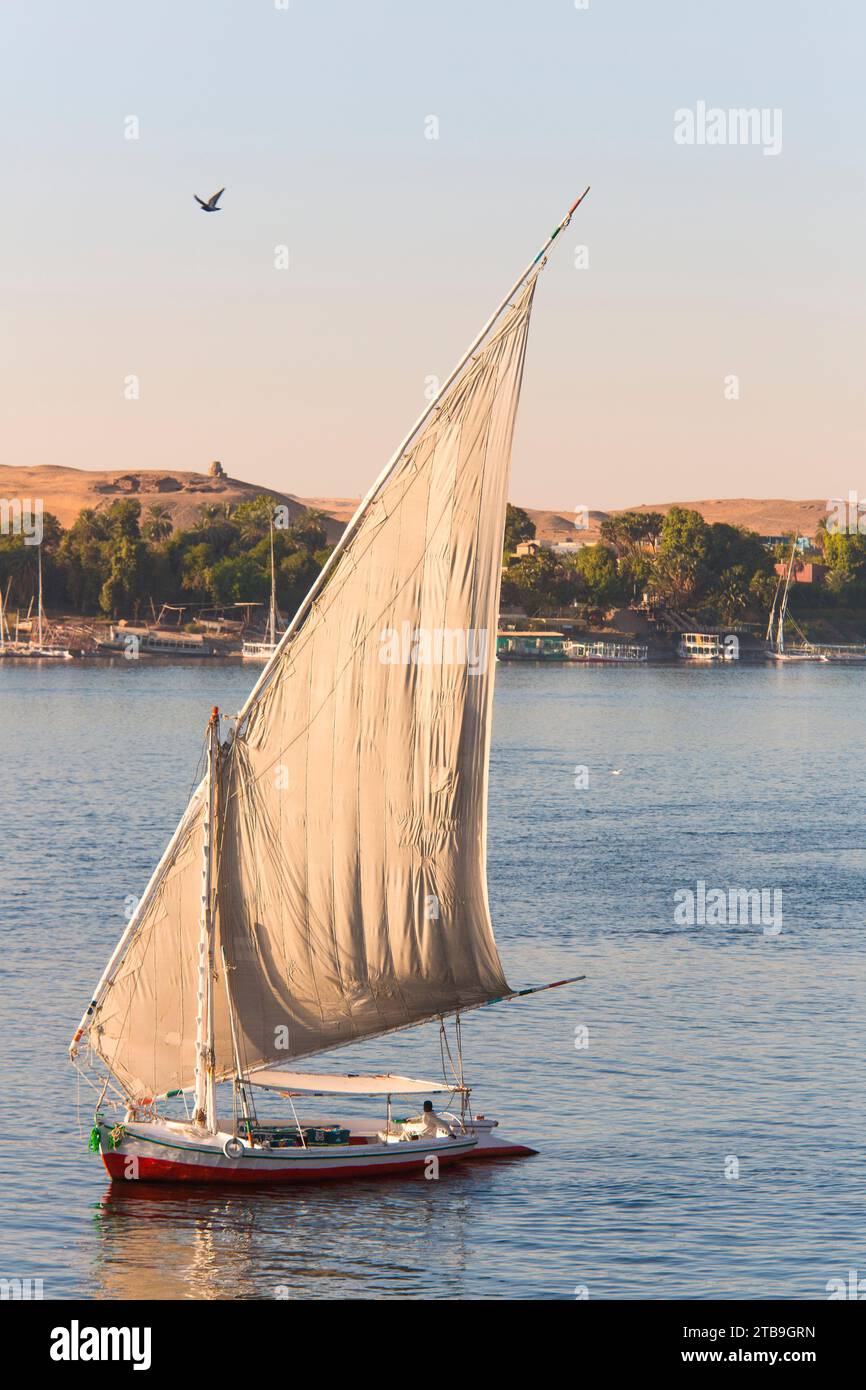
[{"x": 704, "y": 1043}]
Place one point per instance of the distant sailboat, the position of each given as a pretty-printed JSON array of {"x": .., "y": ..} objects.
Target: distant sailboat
[
  {"x": 39, "y": 650},
  {"x": 7, "y": 645},
  {"x": 263, "y": 651},
  {"x": 778, "y": 651},
  {"x": 327, "y": 881}
]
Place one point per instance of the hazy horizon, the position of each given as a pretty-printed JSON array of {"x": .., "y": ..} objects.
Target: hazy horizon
[{"x": 705, "y": 261}]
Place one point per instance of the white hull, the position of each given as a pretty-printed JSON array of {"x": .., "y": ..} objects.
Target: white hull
[
  {"x": 172, "y": 653},
  {"x": 798, "y": 656},
  {"x": 36, "y": 654},
  {"x": 176, "y": 1152},
  {"x": 607, "y": 660},
  {"x": 258, "y": 651},
  {"x": 170, "y": 1152}
]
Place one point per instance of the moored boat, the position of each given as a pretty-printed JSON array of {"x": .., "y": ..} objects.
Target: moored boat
[
  {"x": 40, "y": 650},
  {"x": 263, "y": 651},
  {"x": 130, "y": 641},
  {"x": 36, "y": 651},
  {"x": 258, "y": 651},
  {"x": 705, "y": 646},
  {"x": 604, "y": 652},
  {"x": 778, "y": 650}
]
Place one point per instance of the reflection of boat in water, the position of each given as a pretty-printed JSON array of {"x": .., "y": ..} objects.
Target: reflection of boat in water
[
  {"x": 171, "y": 1241},
  {"x": 327, "y": 881},
  {"x": 130, "y": 641}
]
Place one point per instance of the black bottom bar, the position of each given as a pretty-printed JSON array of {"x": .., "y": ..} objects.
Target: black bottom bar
[{"x": 646, "y": 1337}]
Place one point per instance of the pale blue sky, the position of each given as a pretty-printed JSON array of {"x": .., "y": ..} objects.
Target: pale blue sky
[{"x": 704, "y": 261}]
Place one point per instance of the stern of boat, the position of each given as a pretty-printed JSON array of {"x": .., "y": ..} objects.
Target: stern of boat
[{"x": 492, "y": 1145}]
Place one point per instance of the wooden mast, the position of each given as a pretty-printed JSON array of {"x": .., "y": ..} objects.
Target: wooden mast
[
  {"x": 272, "y": 630},
  {"x": 40, "y": 598},
  {"x": 780, "y": 634},
  {"x": 204, "y": 1110}
]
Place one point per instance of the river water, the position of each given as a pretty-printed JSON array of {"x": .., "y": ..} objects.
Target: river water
[{"x": 698, "y": 1101}]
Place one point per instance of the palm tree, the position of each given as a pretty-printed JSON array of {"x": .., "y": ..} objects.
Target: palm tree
[
  {"x": 158, "y": 523},
  {"x": 208, "y": 513}
]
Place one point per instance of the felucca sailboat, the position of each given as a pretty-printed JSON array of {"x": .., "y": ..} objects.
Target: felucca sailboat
[
  {"x": 776, "y": 637},
  {"x": 263, "y": 651},
  {"x": 327, "y": 881},
  {"x": 40, "y": 650}
]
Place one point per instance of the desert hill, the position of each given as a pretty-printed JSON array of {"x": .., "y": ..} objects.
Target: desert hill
[
  {"x": 769, "y": 517},
  {"x": 66, "y": 491}
]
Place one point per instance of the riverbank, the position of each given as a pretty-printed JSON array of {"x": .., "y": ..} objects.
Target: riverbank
[
  {"x": 624, "y": 636},
  {"x": 86, "y": 637}
]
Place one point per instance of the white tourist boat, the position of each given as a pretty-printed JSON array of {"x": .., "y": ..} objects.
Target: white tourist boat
[
  {"x": 327, "y": 881},
  {"x": 704, "y": 646},
  {"x": 125, "y": 639},
  {"x": 853, "y": 654},
  {"x": 602, "y": 652}
]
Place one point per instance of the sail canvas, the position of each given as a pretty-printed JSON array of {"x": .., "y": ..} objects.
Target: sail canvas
[
  {"x": 354, "y": 900},
  {"x": 350, "y": 877}
]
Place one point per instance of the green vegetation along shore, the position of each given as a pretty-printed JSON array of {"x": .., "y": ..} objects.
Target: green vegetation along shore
[
  {"x": 721, "y": 574},
  {"x": 119, "y": 561},
  {"x": 126, "y": 560}
]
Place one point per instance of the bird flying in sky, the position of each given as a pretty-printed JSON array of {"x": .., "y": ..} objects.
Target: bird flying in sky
[{"x": 211, "y": 204}]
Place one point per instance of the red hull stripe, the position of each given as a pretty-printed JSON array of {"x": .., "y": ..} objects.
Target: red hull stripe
[
  {"x": 166, "y": 1170},
  {"x": 502, "y": 1151}
]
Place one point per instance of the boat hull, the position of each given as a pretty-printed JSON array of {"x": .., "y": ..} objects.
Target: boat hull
[
  {"x": 120, "y": 649},
  {"x": 166, "y": 1157},
  {"x": 260, "y": 652},
  {"x": 38, "y": 654},
  {"x": 490, "y": 1145},
  {"x": 798, "y": 656}
]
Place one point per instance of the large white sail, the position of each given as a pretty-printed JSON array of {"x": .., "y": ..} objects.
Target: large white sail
[{"x": 351, "y": 894}]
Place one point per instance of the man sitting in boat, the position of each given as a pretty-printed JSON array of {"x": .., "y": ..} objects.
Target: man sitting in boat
[{"x": 427, "y": 1125}]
